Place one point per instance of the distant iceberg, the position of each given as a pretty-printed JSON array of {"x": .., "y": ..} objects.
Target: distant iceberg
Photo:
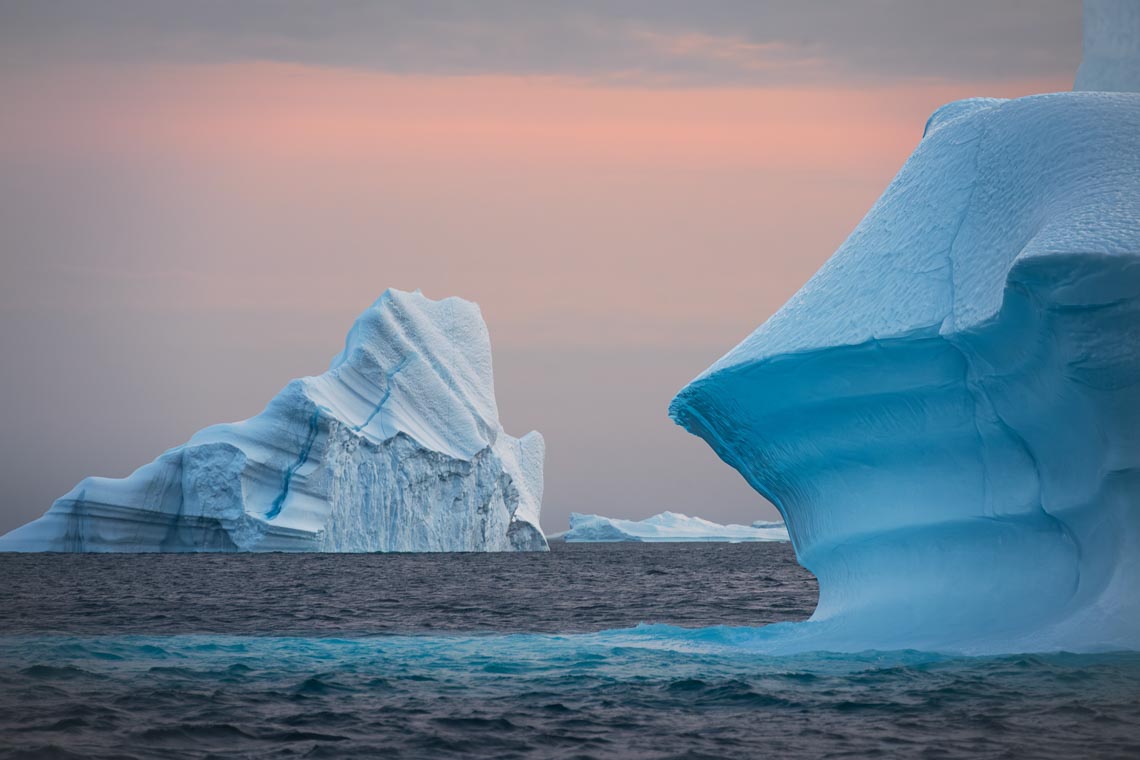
[
  {"x": 771, "y": 524},
  {"x": 665, "y": 527},
  {"x": 397, "y": 447},
  {"x": 947, "y": 414}
]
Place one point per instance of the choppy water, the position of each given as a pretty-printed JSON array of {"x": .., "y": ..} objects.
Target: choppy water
[{"x": 473, "y": 656}]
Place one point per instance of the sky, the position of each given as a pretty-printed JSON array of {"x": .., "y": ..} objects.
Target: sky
[{"x": 197, "y": 198}]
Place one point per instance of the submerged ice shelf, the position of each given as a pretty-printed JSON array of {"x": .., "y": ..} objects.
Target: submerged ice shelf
[
  {"x": 667, "y": 527},
  {"x": 946, "y": 414},
  {"x": 397, "y": 447}
]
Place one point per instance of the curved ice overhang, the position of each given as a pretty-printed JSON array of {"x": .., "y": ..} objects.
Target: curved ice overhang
[{"x": 944, "y": 414}]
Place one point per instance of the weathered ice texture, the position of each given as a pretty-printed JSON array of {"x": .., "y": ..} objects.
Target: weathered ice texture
[
  {"x": 948, "y": 413},
  {"x": 397, "y": 447}
]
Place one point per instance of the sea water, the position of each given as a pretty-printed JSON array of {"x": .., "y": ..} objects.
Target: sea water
[{"x": 603, "y": 650}]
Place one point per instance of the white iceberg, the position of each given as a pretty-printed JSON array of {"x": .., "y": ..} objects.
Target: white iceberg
[
  {"x": 667, "y": 526},
  {"x": 947, "y": 414},
  {"x": 397, "y": 447}
]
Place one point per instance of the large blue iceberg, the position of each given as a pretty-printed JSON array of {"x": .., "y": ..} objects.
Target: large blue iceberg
[
  {"x": 947, "y": 414},
  {"x": 397, "y": 447}
]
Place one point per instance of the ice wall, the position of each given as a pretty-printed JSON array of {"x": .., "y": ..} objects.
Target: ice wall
[
  {"x": 948, "y": 413},
  {"x": 397, "y": 447}
]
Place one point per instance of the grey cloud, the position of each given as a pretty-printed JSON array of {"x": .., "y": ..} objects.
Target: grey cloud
[{"x": 731, "y": 41}]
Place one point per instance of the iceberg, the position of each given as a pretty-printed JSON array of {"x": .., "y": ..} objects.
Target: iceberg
[
  {"x": 666, "y": 527},
  {"x": 397, "y": 447},
  {"x": 947, "y": 414}
]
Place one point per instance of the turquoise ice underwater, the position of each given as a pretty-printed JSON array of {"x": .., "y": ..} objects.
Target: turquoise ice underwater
[
  {"x": 289, "y": 669},
  {"x": 644, "y": 692}
]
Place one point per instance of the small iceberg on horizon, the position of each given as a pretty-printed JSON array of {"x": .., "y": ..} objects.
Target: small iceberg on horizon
[{"x": 667, "y": 527}]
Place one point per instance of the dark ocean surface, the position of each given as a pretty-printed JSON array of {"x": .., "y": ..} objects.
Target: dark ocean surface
[{"x": 601, "y": 650}]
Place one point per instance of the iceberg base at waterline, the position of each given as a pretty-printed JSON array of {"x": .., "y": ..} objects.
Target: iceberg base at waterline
[{"x": 397, "y": 447}]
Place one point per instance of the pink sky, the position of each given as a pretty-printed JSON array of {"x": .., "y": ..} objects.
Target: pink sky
[
  {"x": 643, "y": 211},
  {"x": 184, "y": 239}
]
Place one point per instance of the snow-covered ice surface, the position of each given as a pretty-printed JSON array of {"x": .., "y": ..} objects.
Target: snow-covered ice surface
[
  {"x": 397, "y": 447},
  {"x": 948, "y": 413},
  {"x": 667, "y": 526}
]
